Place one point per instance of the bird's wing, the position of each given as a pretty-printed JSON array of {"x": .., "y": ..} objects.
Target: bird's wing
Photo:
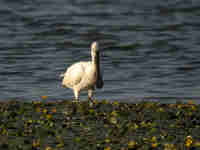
[{"x": 74, "y": 74}]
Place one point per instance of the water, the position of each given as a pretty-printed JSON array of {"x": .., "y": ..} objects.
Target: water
[{"x": 150, "y": 49}]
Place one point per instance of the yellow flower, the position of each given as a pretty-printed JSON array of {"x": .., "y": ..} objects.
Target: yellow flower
[
  {"x": 188, "y": 141},
  {"x": 154, "y": 145},
  {"x": 143, "y": 124},
  {"x": 179, "y": 106},
  {"x": 36, "y": 143},
  {"x": 30, "y": 121},
  {"x": 44, "y": 110},
  {"x": 53, "y": 110},
  {"x": 153, "y": 139},
  {"x": 131, "y": 144},
  {"x": 136, "y": 126},
  {"x": 4, "y": 131},
  {"x": 193, "y": 108},
  {"x": 113, "y": 120},
  {"x": 107, "y": 140},
  {"x": 107, "y": 148},
  {"x": 48, "y": 148},
  {"x": 169, "y": 146},
  {"x": 36, "y": 102},
  {"x": 91, "y": 111},
  {"x": 116, "y": 103},
  {"x": 44, "y": 97},
  {"x": 160, "y": 110},
  {"x": 114, "y": 113},
  {"x": 49, "y": 116}
]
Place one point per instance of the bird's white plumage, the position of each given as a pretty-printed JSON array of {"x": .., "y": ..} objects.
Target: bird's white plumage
[{"x": 84, "y": 75}]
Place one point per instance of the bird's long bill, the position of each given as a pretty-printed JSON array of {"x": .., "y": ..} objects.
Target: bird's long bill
[{"x": 99, "y": 83}]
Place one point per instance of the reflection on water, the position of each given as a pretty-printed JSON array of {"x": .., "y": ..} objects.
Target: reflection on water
[{"x": 150, "y": 49}]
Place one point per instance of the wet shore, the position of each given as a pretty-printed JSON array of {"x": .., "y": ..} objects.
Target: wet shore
[{"x": 101, "y": 125}]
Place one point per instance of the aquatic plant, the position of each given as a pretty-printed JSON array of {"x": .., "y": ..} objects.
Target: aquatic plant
[{"x": 102, "y": 125}]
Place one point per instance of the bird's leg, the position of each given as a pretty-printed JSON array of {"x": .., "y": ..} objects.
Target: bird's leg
[
  {"x": 90, "y": 93},
  {"x": 76, "y": 94}
]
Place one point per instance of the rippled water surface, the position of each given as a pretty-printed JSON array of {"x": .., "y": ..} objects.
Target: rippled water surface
[{"x": 150, "y": 49}]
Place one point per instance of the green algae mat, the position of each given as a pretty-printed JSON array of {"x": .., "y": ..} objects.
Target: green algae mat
[{"x": 101, "y": 125}]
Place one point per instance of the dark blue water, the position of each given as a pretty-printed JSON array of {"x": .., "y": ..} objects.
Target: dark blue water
[{"x": 150, "y": 49}]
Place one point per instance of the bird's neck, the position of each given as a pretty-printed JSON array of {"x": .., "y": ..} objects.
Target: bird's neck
[{"x": 96, "y": 63}]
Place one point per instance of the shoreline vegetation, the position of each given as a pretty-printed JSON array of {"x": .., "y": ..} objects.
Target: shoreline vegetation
[{"x": 102, "y": 125}]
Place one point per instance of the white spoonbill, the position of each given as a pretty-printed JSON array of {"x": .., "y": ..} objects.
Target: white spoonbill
[{"x": 84, "y": 75}]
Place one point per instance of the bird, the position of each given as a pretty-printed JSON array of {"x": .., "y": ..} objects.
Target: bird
[{"x": 84, "y": 75}]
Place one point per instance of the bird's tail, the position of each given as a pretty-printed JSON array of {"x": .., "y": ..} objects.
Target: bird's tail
[{"x": 62, "y": 75}]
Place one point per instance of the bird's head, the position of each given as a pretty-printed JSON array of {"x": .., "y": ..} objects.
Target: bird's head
[{"x": 95, "y": 47}]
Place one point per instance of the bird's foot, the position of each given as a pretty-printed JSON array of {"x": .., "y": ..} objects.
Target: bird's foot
[
  {"x": 75, "y": 101},
  {"x": 90, "y": 102}
]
